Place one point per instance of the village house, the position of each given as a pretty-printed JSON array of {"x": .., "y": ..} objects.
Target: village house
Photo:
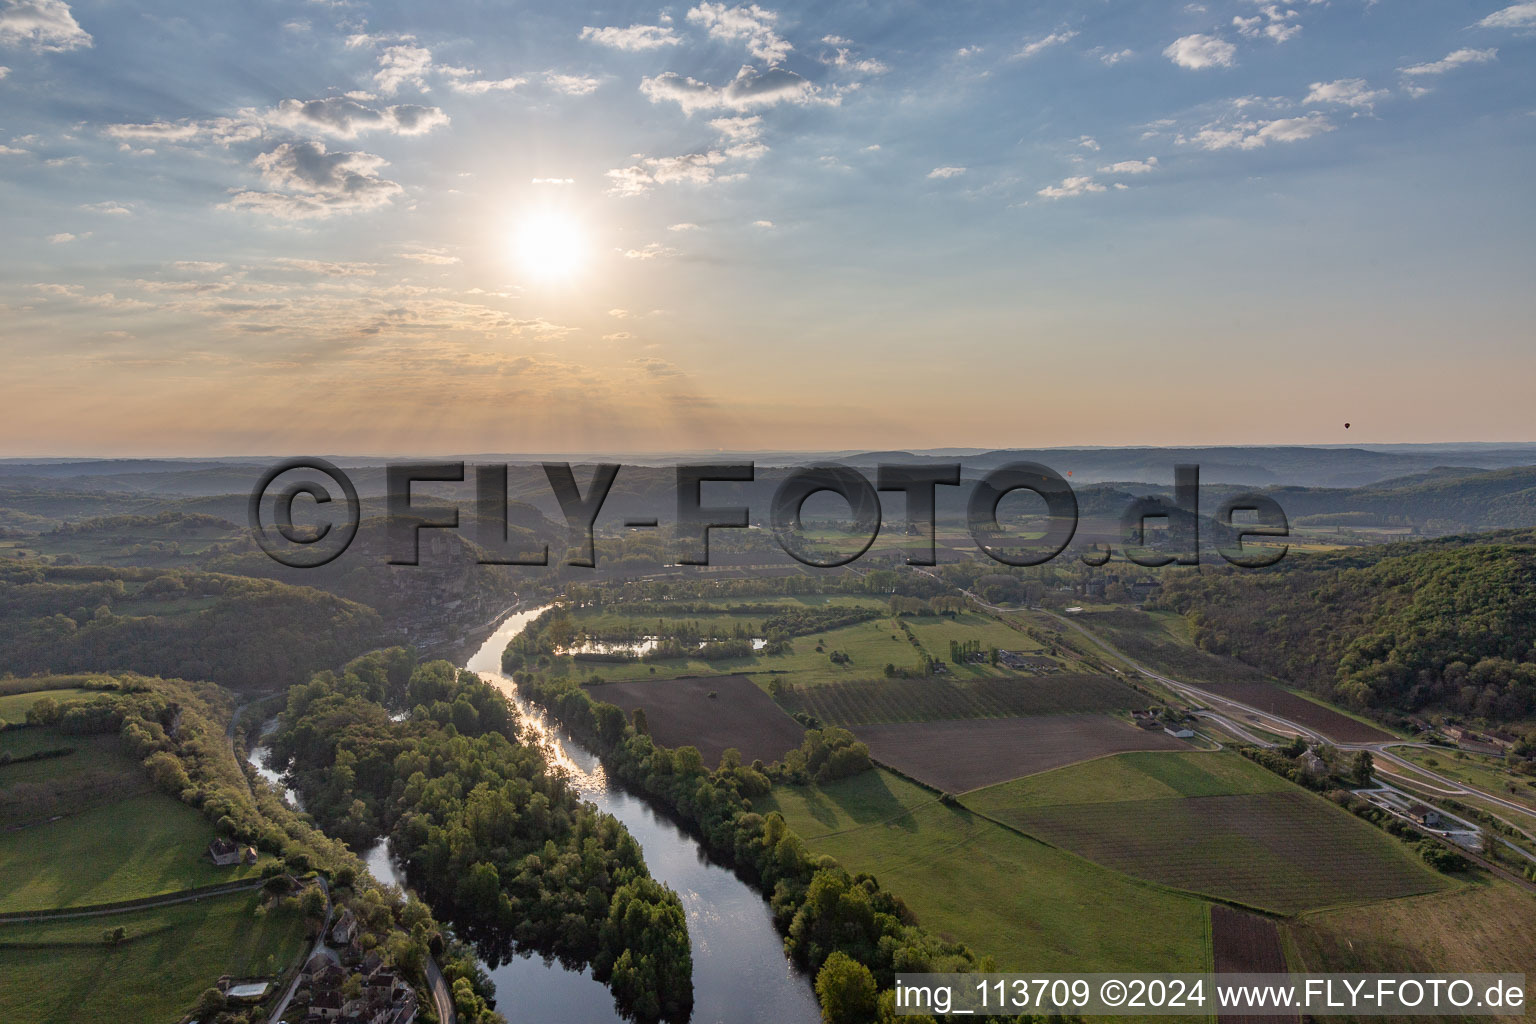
[
  {"x": 344, "y": 928},
  {"x": 225, "y": 852}
]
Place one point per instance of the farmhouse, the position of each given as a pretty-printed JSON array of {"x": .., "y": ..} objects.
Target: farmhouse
[
  {"x": 1179, "y": 732},
  {"x": 1425, "y": 815},
  {"x": 224, "y": 853},
  {"x": 344, "y": 928}
]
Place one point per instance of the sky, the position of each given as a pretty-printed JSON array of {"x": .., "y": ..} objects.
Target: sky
[{"x": 365, "y": 227}]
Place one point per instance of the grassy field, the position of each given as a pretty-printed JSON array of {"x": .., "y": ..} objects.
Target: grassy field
[
  {"x": 1479, "y": 770},
  {"x": 869, "y": 646},
  {"x": 1030, "y": 906},
  {"x": 142, "y": 846},
  {"x": 1490, "y": 926},
  {"x": 60, "y": 972},
  {"x": 1215, "y": 824},
  {"x": 14, "y": 706}
]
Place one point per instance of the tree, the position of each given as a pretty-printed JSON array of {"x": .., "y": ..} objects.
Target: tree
[
  {"x": 313, "y": 902},
  {"x": 208, "y": 1004},
  {"x": 1361, "y": 768},
  {"x": 112, "y": 936},
  {"x": 846, "y": 991}
]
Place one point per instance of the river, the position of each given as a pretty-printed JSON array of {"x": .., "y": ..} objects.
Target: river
[{"x": 740, "y": 973}]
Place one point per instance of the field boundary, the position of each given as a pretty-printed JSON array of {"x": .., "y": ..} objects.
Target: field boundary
[{"x": 124, "y": 906}]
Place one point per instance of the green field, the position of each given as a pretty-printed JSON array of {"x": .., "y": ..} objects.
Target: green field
[
  {"x": 1477, "y": 770},
  {"x": 142, "y": 846},
  {"x": 1211, "y": 823},
  {"x": 61, "y": 972},
  {"x": 870, "y": 645},
  {"x": 1008, "y": 896},
  {"x": 14, "y": 706}
]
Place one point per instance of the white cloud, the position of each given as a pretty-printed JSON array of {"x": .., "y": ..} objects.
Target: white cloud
[
  {"x": 744, "y": 22},
  {"x": 11, "y": 151},
  {"x": 4, "y": 71},
  {"x": 844, "y": 58},
  {"x": 436, "y": 257},
  {"x": 317, "y": 183},
  {"x": 738, "y": 129},
  {"x": 618, "y": 336},
  {"x": 572, "y": 85},
  {"x": 1088, "y": 142},
  {"x": 946, "y": 172},
  {"x": 63, "y": 238},
  {"x": 689, "y": 168},
  {"x": 1131, "y": 166},
  {"x": 686, "y": 225},
  {"x": 199, "y": 266},
  {"x": 633, "y": 39},
  {"x": 551, "y": 181},
  {"x": 1074, "y": 186},
  {"x": 345, "y": 118},
  {"x": 481, "y": 86},
  {"x": 221, "y": 130},
  {"x": 1201, "y": 51},
  {"x": 1114, "y": 57},
  {"x": 324, "y": 268},
  {"x": 1349, "y": 92},
  {"x": 747, "y": 90},
  {"x": 1451, "y": 61},
  {"x": 967, "y": 51},
  {"x": 762, "y": 224},
  {"x": 1257, "y": 134},
  {"x": 651, "y": 251},
  {"x": 110, "y": 208},
  {"x": 45, "y": 25},
  {"x": 1044, "y": 43},
  {"x": 1521, "y": 15},
  {"x": 403, "y": 65},
  {"x": 1272, "y": 22}
]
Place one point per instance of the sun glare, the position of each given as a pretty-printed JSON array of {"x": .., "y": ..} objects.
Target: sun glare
[{"x": 549, "y": 245}]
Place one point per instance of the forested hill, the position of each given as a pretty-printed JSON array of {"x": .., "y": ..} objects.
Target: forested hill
[
  {"x": 243, "y": 633},
  {"x": 1463, "y": 499},
  {"x": 1449, "y": 623}
]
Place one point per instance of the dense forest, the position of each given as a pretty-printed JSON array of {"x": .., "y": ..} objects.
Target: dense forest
[
  {"x": 1448, "y": 624},
  {"x": 496, "y": 838},
  {"x": 243, "y": 633}
]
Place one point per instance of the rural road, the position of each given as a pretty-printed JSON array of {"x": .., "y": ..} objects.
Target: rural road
[{"x": 162, "y": 901}]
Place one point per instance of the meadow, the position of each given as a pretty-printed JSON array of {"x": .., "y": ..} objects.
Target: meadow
[
  {"x": 62, "y": 971},
  {"x": 871, "y": 701},
  {"x": 1215, "y": 824},
  {"x": 144, "y": 845},
  {"x": 14, "y": 706},
  {"x": 1029, "y": 905}
]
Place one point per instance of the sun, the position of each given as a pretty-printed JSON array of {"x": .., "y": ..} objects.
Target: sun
[{"x": 550, "y": 245}]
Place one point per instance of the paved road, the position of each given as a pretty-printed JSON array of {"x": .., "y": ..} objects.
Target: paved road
[{"x": 325, "y": 926}]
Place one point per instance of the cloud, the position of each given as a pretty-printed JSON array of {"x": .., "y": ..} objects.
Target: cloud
[
  {"x": 686, "y": 225},
  {"x": 199, "y": 266},
  {"x": 618, "y": 336},
  {"x": 1075, "y": 186},
  {"x": 224, "y": 131},
  {"x": 1044, "y": 43},
  {"x": 1521, "y": 15},
  {"x": 1271, "y": 22},
  {"x": 1114, "y": 57},
  {"x": 1451, "y": 61},
  {"x": 45, "y": 25},
  {"x": 63, "y": 238},
  {"x": 633, "y": 39},
  {"x": 437, "y": 257},
  {"x": 966, "y": 52},
  {"x": 317, "y": 183},
  {"x": 765, "y": 224},
  {"x": 481, "y": 86},
  {"x": 748, "y": 89},
  {"x": 843, "y": 59},
  {"x": 11, "y": 151},
  {"x": 1349, "y": 92},
  {"x": 1201, "y": 51},
  {"x": 4, "y": 71},
  {"x": 110, "y": 208},
  {"x": 1257, "y": 134},
  {"x": 650, "y": 251},
  {"x": 657, "y": 367},
  {"x": 1131, "y": 166},
  {"x": 1088, "y": 142},
  {"x": 402, "y": 65},
  {"x": 689, "y": 168},
  {"x": 345, "y": 118},
  {"x": 739, "y": 129},
  {"x": 572, "y": 85},
  {"x": 745, "y": 22},
  {"x": 939, "y": 173},
  {"x": 551, "y": 181},
  {"x": 323, "y": 268}
]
